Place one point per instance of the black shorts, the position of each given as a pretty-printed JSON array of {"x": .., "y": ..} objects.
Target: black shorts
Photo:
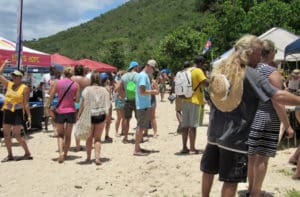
[
  {"x": 231, "y": 166},
  {"x": 13, "y": 118},
  {"x": 129, "y": 107},
  {"x": 65, "y": 118},
  {"x": 98, "y": 119}
]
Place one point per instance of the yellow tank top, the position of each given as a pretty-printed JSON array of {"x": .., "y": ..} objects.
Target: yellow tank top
[{"x": 14, "y": 99}]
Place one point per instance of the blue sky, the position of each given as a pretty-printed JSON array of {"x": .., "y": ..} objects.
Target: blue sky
[{"x": 43, "y": 18}]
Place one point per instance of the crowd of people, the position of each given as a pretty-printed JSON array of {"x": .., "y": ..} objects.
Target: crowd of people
[{"x": 245, "y": 92}]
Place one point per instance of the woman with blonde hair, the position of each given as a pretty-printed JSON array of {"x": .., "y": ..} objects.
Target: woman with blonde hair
[
  {"x": 94, "y": 106},
  {"x": 68, "y": 92}
]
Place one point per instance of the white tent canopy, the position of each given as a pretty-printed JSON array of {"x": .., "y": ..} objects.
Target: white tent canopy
[{"x": 280, "y": 37}]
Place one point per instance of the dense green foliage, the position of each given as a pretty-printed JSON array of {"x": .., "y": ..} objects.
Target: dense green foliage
[{"x": 171, "y": 31}]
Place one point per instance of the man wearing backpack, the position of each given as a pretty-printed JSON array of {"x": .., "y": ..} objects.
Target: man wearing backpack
[
  {"x": 191, "y": 106},
  {"x": 127, "y": 88}
]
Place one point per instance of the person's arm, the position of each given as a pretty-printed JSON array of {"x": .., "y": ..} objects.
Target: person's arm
[
  {"x": 3, "y": 80},
  {"x": 119, "y": 88},
  {"x": 52, "y": 92},
  {"x": 80, "y": 109},
  {"x": 26, "y": 104},
  {"x": 77, "y": 97},
  {"x": 275, "y": 80}
]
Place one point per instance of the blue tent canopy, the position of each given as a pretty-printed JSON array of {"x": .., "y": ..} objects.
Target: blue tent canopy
[{"x": 292, "y": 48}]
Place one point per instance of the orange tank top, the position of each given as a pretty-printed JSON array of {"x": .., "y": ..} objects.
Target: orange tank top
[{"x": 14, "y": 99}]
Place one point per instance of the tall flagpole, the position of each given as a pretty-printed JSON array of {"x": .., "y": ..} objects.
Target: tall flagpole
[{"x": 19, "y": 44}]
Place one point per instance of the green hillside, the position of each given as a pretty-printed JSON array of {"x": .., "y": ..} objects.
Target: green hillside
[{"x": 169, "y": 30}]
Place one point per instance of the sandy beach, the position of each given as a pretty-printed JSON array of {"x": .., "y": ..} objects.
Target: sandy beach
[{"x": 162, "y": 173}]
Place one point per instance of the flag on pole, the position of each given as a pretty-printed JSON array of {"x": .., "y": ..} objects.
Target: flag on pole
[
  {"x": 19, "y": 43},
  {"x": 207, "y": 45}
]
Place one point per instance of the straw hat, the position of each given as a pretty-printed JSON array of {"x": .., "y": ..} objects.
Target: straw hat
[
  {"x": 295, "y": 72},
  {"x": 226, "y": 89}
]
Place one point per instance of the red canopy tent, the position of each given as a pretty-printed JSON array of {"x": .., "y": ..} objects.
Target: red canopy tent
[
  {"x": 30, "y": 57},
  {"x": 62, "y": 60},
  {"x": 98, "y": 66}
]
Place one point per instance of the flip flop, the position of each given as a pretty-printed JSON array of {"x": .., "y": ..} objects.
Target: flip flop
[
  {"x": 183, "y": 152},
  {"x": 293, "y": 162},
  {"x": 140, "y": 154},
  {"x": 25, "y": 157},
  {"x": 195, "y": 152},
  {"x": 8, "y": 158},
  {"x": 145, "y": 150},
  {"x": 296, "y": 178}
]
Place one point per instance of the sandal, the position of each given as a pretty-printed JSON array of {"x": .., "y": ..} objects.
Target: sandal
[{"x": 8, "y": 158}]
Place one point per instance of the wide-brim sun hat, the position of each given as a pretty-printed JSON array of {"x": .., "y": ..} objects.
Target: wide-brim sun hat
[
  {"x": 226, "y": 90},
  {"x": 132, "y": 65},
  {"x": 17, "y": 73}
]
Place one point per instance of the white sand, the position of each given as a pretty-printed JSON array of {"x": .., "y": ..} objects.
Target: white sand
[{"x": 162, "y": 173}]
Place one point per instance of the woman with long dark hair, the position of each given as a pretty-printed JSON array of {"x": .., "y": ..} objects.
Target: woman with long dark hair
[{"x": 95, "y": 104}]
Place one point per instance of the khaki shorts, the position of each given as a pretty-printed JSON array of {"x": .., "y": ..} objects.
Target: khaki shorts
[{"x": 143, "y": 118}]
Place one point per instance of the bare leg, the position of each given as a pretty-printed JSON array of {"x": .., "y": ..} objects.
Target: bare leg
[
  {"x": 68, "y": 133},
  {"x": 192, "y": 136},
  {"x": 7, "y": 139},
  {"x": 77, "y": 140},
  {"x": 98, "y": 129},
  {"x": 153, "y": 121},
  {"x": 297, "y": 172},
  {"x": 184, "y": 138},
  {"x": 107, "y": 125},
  {"x": 126, "y": 129},
  {"x": 229, "y": 189},
  {"x": 89, "y": 142},
  {"x": 295, "y": 156},
  {"x": 260, "y": 170},
  {"x": 207, "y": 181},
  {"x": 118, "y": 121},
  {"x": 17, "y": 134},
  {"x": 138, "y": 139},
  {"x": 251, "y": 162},
  {"x": 60, "y": 141}
]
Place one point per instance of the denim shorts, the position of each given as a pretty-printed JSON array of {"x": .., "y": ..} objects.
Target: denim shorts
[{"x": 231, "y": 166}]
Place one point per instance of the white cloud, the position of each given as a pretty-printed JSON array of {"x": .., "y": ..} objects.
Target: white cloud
[{"x": 43, "y": 18}]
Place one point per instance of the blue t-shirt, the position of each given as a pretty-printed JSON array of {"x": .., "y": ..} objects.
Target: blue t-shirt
[{"x": 143, "y": 101}]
